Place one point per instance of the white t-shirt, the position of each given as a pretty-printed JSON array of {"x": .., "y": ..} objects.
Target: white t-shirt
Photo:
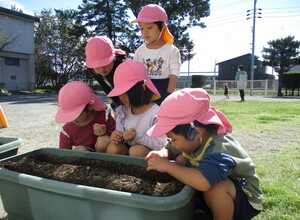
[
  {"x": 141, "y": 123},
  {"x": 160, "y": 63}
]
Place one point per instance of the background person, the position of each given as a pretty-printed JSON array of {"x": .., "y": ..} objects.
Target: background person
[
  {"x": 226, "y": 92},
  {"x": 241, "y": 78}
]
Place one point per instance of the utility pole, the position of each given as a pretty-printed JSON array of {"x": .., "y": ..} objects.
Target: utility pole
[
  {"x": 253, "y": 48},
  {"x": 253, "y": 45}
]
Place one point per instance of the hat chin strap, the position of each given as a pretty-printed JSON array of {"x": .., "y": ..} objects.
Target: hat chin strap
[{"x": 158, "y": 36}]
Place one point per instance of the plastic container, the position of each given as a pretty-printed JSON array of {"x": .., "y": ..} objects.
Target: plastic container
[
  {"x": 31, "y": 197},
  {"x": 9, "y": 146}
]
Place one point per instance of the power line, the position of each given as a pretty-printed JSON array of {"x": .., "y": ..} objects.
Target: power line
[{"x": 234, "y": 17}]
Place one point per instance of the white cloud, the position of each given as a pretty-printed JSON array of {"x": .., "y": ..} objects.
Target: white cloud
[{"x": 9, "y": 3}]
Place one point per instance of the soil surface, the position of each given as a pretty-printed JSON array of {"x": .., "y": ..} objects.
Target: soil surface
[{"x": 98, "y": 173}]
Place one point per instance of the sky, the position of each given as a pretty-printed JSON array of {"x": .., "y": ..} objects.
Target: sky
[{"x": 228, "y": 33}]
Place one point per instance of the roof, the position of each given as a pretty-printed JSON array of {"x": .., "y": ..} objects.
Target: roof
[
  {"x": 248, "y": 54},
  {"x": 17, "y": 14}
]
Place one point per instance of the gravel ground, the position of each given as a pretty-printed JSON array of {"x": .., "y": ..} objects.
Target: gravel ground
[{"x": 31, "y": 118}]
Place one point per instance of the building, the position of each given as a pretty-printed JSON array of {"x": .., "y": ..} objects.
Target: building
[
  {"x": 17, "y": 60},
  {"x": 228, "y": 68}
]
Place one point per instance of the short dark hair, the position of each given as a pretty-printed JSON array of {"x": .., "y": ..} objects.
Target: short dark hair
[
  {"x": 241, "y": 67},
  {"x": 183, "y": 129},
  {"x": 139, "y": 96},
  {"x": 159, "y": 24}
]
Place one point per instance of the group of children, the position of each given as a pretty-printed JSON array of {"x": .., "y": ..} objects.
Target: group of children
[{"x": 154, "y": 122}]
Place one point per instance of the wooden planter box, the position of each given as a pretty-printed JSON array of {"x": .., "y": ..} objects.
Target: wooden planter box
[
  {"x": 9, "y": 146},
  {"x": 31, "y": 197}
]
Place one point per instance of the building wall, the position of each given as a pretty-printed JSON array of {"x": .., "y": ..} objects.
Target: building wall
[
  {"x": 227, "y": 69},
  {"x": 17, "y": 61}
]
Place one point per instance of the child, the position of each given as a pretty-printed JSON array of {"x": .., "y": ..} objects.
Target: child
[
  {"x": 220, "y": 168},
  {"x": 103, "y": 59},
  {"x": 226, "y": 90},
  {"x": 160, "y": 57},
  {"x": 136, "y": 91},
  {"x": 88, "y": 125}
]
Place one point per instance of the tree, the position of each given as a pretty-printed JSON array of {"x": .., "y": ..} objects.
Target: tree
[
  {"x": 44, "y": 68},
  {"x": 59, "y": 51},
  {"x": 6, "y": 40},
  {"x": 104, "y": 17},
  {"x": 282, "y": 54},
  {"x": 14, "y": 8},
  {"x": 111, "y": 18}
]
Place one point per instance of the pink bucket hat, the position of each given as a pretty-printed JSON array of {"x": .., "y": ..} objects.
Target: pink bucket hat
[
  {"x": 185, "y": 106},
  {"x": 72, "y": 99},
  {"x": 153, "y": 13},
  {"x": 100, "y": 51},
  {"x": 129, "y": 73}
]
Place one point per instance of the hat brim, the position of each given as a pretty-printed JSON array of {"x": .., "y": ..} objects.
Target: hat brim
[
  {"x": 152, "y": 87},
  {"x": 119, "y": 90},
  {"x": 99, "y": 105},
  {"x": 145, "y": 20},
  {"x": 99, "y": 63},
  {"x": 159, "y": 130},
  {"x": 68, "y": 116}
]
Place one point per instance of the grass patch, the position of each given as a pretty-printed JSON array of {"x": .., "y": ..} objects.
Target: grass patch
[
  {"x": 270, "y": 119},
  {"x": 278, "y": 168},
  {"x": 279, "y": 174},
  {"x": 259, "y": 115}
]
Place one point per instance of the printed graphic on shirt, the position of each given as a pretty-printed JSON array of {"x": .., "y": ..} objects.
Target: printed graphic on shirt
[{"x": 154, "y": 67}]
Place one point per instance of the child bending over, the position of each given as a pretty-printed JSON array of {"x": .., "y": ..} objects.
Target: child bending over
[
  {"x": 219, "y": 167},
  {"x": 88, "y": 124}
]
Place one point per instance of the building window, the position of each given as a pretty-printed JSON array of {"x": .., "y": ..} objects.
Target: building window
[
  {"x": 13, "y": 77},
  {"x": 11, "y": 61}
]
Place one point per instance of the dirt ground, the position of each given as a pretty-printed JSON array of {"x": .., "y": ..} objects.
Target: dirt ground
[{"x": 31, "y": 118}]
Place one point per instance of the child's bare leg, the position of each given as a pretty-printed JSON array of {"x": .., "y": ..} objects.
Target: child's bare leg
[
  {"x": 102, "y": 143},
  {"x": 220, "y": 199},
  {"x": 138, "y": 150},
  {"x": 117, "y": 149},
  {"x": 81, "y": 148}
]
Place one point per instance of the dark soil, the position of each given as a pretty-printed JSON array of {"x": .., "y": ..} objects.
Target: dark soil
[{"x": 98, "y": 173}]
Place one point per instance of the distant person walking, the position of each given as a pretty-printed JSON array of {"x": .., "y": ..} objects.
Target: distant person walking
[
  {"x": 226, "y": 90},
  {"x": 241, "y": 78}
]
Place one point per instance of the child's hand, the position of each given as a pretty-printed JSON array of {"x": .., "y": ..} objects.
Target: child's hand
[
  {"x": 116, "y": 137},
  {"x": 154, "y": 153},
  {"x": 129, "y": 134},
  {"x": 159, "y": 164},
  {"x": 99, "y": 130}
]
